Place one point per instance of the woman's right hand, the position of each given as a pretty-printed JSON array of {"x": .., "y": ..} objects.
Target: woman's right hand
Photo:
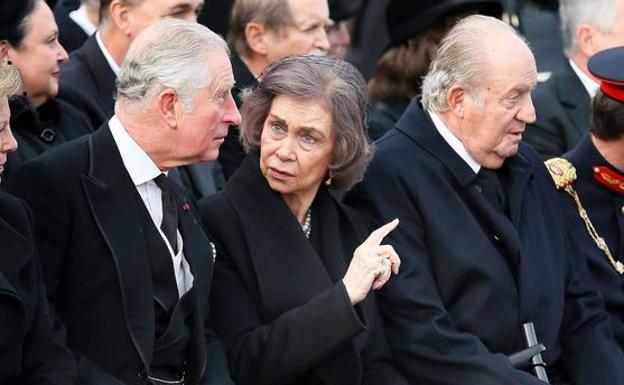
[{"x": 371, "y": 265}]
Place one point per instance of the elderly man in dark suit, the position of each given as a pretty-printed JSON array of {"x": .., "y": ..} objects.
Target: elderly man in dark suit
[
  {"x": 482, "y": 239},
  {"x": 563, "y": 103},
  {"x": 592, "y": 174},
  {"x": 127, "y": 264}
]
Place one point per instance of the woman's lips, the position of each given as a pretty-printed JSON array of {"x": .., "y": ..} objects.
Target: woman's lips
[{"x": 279, "y": 174}]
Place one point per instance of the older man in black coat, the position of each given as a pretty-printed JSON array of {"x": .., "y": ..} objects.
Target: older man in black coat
[
  {"x": 483, "y": 243},
  {"x": 127, "y": 264}
]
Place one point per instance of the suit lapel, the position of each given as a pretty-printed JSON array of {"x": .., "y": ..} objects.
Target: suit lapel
[
  {"x": 199, "y": 253},
  {"x": 102, "y": 73},
  {"x": 575, "y": 99},
  {"x": 112, "y": 198},
  {"x": 416, "y": 124}
]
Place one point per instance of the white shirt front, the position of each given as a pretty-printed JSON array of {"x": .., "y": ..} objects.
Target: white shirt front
[
  {"x": 591, "y": 86},
  {"x": 109, "y": 58},
  {"x": 80, "y": 17},
  {"x": 142, "y": 171},
  {"x": 454, "y": 142}
]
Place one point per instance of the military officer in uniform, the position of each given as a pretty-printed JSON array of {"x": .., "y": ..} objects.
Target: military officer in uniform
[{"x": 593, "y": 175}]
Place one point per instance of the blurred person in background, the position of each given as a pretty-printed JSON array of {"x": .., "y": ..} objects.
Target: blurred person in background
[
  {"x": 77, "y": 20},
  {"x": 29, "y": 41},
  {"x": 563, "y": 102}
]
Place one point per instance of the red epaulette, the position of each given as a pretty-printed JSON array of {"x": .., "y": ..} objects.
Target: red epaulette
[{"x": 609, "y": 178}]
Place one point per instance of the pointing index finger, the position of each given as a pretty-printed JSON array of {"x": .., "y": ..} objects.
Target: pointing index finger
[{"x": 375, "y": 238}]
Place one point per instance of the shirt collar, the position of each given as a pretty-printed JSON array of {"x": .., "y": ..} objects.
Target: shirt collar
[
  {"x": 591, "y": 86},
  {"x": 454, "y": 142},
  {"x": 140, "y": 166},
  {"x": 111, "y": 62},
  {"x": 80, "y": 17}
]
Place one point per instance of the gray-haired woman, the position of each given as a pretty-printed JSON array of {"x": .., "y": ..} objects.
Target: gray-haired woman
[{"x": 294, "y": 267}]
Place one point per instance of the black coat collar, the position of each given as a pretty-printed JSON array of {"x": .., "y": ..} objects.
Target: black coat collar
[
  {"x": 282, "y": 255},
  {"x": 101, "y": 72}
]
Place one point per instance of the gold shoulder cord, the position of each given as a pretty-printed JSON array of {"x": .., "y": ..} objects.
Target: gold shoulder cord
[{"x": 564, "y": 174}]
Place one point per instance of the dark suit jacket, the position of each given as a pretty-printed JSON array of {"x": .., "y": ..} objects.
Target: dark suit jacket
[
  {"x": 71, "y": 36},
  {"x": 563, "y": 109},
  {"x": 470, "y": 277},
  {"x": 231, "y": 153},
  {"x": 38, "y": 130},
  {"x": 32, "y": 341},
  {"x": 605, "y": 207},
  {"x": 279, "y": 301},
  {"x": 96, "y": 264},
  {"x": 88, "y": 82}
]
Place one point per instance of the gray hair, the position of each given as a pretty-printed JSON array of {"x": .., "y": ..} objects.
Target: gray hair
[
  {"x": 272, "y": 13},
  {"x": 460, "y": 60},
  {"x": 10, "y": 82},
  {"x": 598, "y": 13},
  {"x": 168, "y": 54},
  {"x": 333, "y": 83}
]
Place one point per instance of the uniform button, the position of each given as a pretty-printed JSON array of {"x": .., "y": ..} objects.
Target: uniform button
[{"x": 622, "y": 210}]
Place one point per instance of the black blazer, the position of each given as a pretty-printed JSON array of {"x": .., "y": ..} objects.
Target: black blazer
[
  {"x": 471, "y": 276},
  {"x": 88, "y": 83},
  {"x": 38, "y": 130},
  {"x": 278, "y": 301},
  {"x": 563, "y": 109},
  {"x": 96, "y": 264},
  {"x": 605, "y": 207},
  {"x": 32, "y": 341},
  {"x": 231, "y": 153}
]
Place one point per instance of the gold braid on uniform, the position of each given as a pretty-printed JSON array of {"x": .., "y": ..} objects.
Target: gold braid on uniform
[{"x": 564, "y": 175}]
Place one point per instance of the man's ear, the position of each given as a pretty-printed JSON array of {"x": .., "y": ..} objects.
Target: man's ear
[
  {"x": 456, "y": 97},
  {"x": 168, "y": 107},
  {"x": 120, "y": 16},
  {"x": 588, "y": 40},
  {"x": 256, "y": 37}
]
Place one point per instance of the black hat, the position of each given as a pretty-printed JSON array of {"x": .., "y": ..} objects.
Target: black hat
[
  {"x": 607, "y": 67},
  {"x": 406, "y": 18},
  {"x": 343, "y": 9}
]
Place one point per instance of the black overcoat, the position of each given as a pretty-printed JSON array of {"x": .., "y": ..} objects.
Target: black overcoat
[
  {"x": 278, "y": 301},
  {"x": 470, "y": 277}
]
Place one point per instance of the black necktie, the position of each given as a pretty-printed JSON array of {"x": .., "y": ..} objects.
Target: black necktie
[
  {"x": 491, "y": 188},
  {"x": 169, "y": 223}
]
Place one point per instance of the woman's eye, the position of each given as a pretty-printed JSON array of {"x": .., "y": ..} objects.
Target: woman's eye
[
  {"x": 277, "y": 128},
  {"x": 309, "y": 139}
]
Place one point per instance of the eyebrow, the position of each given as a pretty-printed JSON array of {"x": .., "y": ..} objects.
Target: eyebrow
[{"x": 305, "y": 128}]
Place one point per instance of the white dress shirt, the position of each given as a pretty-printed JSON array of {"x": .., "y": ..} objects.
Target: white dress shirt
[
  {"x": 80, "y": 17},
  {"x": 454, "y": 142},
  {"x": 109, "y": 58},
  {"x": 591, "y": 86},
  {"x": 142, "y": 171}
]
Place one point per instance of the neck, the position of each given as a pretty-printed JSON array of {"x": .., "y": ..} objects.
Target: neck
[
  {"x": 299, "y": 204},
  {"x": 115, "y": 42},
  {"x": 612, "y": 151},
  {"x": 151, "y": 140},
  {"x": 581, "y": 60},
  {"x": 255, "y": 63},
  {"x": 93, "y": 12}
]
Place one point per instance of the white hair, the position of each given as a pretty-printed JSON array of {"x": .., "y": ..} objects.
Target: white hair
[
  {"x": 461, "y": 60},
  {"x": 168, "y": 54},
  {"x": 600, "y": 14}
]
